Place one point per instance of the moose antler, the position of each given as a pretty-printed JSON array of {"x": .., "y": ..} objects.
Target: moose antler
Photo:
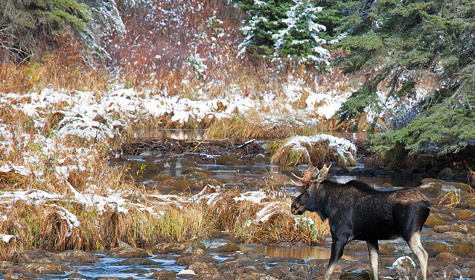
[
  {"x": 308, "y": 174},
  {"x": 306, "y": 178},
  {"x": 323, "y": 173}
]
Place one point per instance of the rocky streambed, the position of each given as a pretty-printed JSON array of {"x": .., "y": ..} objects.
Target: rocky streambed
[{"x": 448, "y": 237}]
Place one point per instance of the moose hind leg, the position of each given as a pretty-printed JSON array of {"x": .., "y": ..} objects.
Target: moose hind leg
[
  {"x": 415, "y": 244},
  {"x": 373, "y": 256}
]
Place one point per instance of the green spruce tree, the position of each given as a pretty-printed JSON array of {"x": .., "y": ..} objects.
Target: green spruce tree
[
  {"x": 435, "y": 38},
  {"x": 284, "y": 30},
  {"x": 28, "y": 27}
]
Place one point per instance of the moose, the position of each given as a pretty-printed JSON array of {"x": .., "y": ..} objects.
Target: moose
[{"x": 356, "y": 211}]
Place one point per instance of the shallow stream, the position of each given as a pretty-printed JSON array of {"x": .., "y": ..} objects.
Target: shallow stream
[{"x": 236, "y": 176}]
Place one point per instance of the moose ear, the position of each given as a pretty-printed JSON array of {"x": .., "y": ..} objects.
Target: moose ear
[{"x": 323, "y": 173}]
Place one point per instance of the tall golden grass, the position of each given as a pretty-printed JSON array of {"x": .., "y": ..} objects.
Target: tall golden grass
[
  {"x": 69, "y": 66},
  {"x": 45, "y": 226}
]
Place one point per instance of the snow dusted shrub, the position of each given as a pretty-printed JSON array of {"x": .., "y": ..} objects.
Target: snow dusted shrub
[
  {"x": 168, "y": 41},
  {"x": 316, "y": 150}
]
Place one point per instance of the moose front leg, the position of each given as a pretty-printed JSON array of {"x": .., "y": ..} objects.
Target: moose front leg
[{"x": 336, "y": 253}]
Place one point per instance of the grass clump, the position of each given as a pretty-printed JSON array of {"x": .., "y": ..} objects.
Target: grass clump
[
  {"x": 177, "y": 226},
  {"x": 253, "y": 126},
  {"x": 315, "y": 151}
]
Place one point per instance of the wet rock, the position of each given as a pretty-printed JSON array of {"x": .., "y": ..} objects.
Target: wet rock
[
  {"x": 430, "y": 185},
  {"x": 186, "y": 273},
  {"x": 178, "y": 248},
  {"x": 461, "y": 248},
  {"x": 43, "y": 268},
  {"x": 221, "y": 245},
  {"x": 453, "y": 235},
  {"x": 301, "y": 270},
  {"x": 193, "y": 250},
  {"x": 260, "y": 159},
  {"x": 5, "y": 267},
  {"x": 441, "y": 215},
  {"x": 284, "y": 259},
  {"x": 201, "y": 171},
  {"x": 163, "y": 274},
  {"x": 137, "y": 261},
  {"x": 454, "y": 186},
  {"x": 75, "y": 257},
  {"x": 433, "y": 248},
  {"x": 277, "y": 272},
  {"x": 75, "y": 275},
  {"x": 464, "y": 214},
  {"x": 240, "y": 260},
  {"x": 127, "y": 251},
  {"x": 32, "y": 254},
  {"x": 386, "y": 248},
  {"x": 228, "y": 159},
  {"x": 136, "y": 271},
  {"x": 457, "y": 227},
  {"x": 203, "y": 268},
  {"x": 13, "y": 276},
  {"x": 188, "y": 260},
  {"x": 446, "y": 256},
  {"x": 364, "y": 275},
  {"x": 318, "y": 263},
  {"x": 433, "y": 221}
]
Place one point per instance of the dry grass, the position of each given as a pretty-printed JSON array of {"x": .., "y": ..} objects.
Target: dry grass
[
  {"x": 47, "y": 226},
  {"x": 315, "y": 153},
  {"x": 452, "y": 199},
  {"x": 251, "y": 126},
  {"x": 68, "y": 67}
]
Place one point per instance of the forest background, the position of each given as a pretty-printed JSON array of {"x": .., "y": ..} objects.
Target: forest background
[{"x": 201, "y": 47}]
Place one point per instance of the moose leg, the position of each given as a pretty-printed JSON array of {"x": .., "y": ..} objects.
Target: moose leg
[
  {"x": 336, "y": 253},
  {"x": 373, "y": 256},
  {"x": 414, "y": 243}
]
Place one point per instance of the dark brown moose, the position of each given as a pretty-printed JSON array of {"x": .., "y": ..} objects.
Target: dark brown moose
[{"x": 356, "y": 211}]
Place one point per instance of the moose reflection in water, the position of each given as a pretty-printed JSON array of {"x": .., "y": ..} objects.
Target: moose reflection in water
[{"x": 356, "y": 211}]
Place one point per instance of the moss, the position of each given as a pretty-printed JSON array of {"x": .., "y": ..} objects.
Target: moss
[
  {"x": 434, "y": 248},
  {"x": 462, "y": 249},
  {"x": 433, "y": 221},
  {"x": 228, "y": 159}
]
